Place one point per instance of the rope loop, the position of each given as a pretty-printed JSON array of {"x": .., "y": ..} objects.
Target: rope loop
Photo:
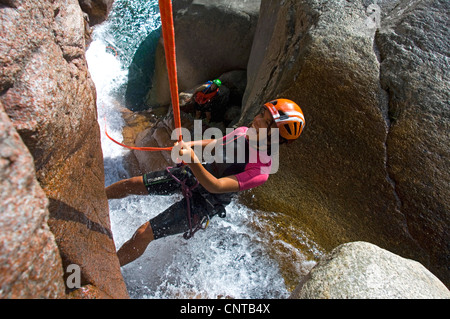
[
  {"x": 168, "y": 32},
  {"x": 187, "y": 193}
]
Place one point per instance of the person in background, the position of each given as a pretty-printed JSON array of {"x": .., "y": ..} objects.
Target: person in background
[{"x": 205, "y": 97}]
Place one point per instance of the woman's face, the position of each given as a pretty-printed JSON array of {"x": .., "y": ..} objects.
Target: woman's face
[{"x": 263, "y": 120}]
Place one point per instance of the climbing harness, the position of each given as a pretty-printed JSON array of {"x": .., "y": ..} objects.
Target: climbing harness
[{"x": 195, "y": 224}]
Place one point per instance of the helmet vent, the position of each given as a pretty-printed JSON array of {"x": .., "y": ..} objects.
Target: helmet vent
[
  {"x": 283, "y": 116},
  {"x": 286, "y": 126}
]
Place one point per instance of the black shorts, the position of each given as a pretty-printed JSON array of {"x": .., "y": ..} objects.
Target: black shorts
[
  {"x": 174, "y": 220},
  {"x": 162, "y": 182}
]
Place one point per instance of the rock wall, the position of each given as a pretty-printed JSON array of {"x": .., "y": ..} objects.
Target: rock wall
[
  {"x": 361, "y": 270},
  {"x": 47, "y": 92},
  {"x": 97, "y": 10},
  {"x": 371, "y": 163},
  {"x": 212, "y": 37},
  {"x": 414, "y": 72},
  {"x": 30, "y": 265}
]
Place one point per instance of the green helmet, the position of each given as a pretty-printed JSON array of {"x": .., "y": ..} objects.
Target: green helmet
[{"x": 217, "y": 82}]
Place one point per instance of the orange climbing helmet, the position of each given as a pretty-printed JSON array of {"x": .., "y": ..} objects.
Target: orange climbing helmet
[{"x": 288, "y": 116}]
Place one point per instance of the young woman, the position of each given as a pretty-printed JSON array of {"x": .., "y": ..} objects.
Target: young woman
[{"x": 208, "y": 188}]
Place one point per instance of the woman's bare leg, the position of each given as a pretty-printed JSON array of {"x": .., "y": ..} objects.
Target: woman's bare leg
[
  {"x": 126, "y": 187},
  {"x": 137, "y": 244}
]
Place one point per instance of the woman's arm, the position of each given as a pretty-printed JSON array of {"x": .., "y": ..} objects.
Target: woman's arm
[
  {"x": 202, "y": 143},
  {"x": 212, "y": 184},
  {"x": 228, "y": 184}
]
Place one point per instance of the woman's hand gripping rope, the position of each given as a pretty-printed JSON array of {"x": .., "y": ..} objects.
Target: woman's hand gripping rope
[{"x": 183, "y": 153}]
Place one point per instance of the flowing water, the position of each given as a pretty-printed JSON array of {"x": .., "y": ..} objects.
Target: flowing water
[{"x": 245, "y": 255}]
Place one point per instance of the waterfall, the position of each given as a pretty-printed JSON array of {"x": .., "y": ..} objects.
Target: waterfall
[{"x": 231, "y": 258}]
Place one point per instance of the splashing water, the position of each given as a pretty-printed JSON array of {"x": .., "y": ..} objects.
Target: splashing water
[{"x": 232, "y": 257}]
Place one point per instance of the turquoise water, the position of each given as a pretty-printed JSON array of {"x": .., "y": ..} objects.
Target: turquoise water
[
  {"x": 129, "y": 23},
  {"x": 233, "y": 257}
]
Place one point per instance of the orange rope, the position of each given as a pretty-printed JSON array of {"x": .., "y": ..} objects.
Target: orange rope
[
  {"x": 168, "y": 31},
  {"x": 149, "y": 149},
  {"x": 165, "y": 8},
  {"x": 112, "y": 48}
]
